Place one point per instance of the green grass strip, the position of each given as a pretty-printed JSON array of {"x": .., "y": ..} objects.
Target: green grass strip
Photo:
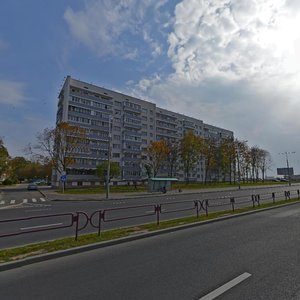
[{"x": 13, "y": 254}]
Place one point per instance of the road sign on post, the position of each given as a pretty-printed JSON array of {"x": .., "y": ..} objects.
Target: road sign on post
[{"x": 63, "y": 177}]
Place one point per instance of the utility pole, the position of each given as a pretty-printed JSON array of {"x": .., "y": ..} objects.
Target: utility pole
[{"x": 108, "y": 156}]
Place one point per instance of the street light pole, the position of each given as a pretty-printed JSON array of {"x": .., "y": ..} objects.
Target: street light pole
[{"x": 108, "y": 157}]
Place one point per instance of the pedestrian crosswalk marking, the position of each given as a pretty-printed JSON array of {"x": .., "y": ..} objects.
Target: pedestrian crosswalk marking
[{"x": 22, "y": 201}]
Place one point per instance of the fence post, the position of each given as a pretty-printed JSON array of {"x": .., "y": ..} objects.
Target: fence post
[
  {"x": 157, "y": 210},
  {"x": 206, "y": 207},
  {"x": 253, "y": 200},
  {"x": 258, "y": 199},
  {"x": 232, "y": 201},
  {"x": 101, "y": 216},
  {"x": 76, "y": 220},
  {"x": 298, "y": 193},
  {"x": 273, "y": 197},
  {"x": 287, "y": 195},
  {"x": 197, "y": 208}
]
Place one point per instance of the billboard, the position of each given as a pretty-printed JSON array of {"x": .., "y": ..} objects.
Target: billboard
[{"x": 285, "y": 171}]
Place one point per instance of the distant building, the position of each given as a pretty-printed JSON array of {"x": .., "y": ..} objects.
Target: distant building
[{"x": 135, "y": 123}]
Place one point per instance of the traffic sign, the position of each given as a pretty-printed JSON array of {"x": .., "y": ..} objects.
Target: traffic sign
[{"x": 63, "y": 177}]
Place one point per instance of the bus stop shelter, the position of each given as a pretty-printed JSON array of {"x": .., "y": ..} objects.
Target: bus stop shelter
[{"x": 160, "y": 184}]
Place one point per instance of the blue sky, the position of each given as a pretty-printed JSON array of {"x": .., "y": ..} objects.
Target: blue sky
[{"x": 233, "y": 64}]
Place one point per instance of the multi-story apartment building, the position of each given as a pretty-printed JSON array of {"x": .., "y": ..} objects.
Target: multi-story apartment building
[{"x": 124, "y": 124}]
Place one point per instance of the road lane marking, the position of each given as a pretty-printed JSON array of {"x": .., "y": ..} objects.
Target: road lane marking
[
  {"x": 25, "y": 200},
  {"x": 2, "y": 202},
  {"x": 227, "y": 286},
  {"x": 41, "y": 226},
  {"x": 12, "y": 201},
  {"x": 153, "y": 211},
  {"x": 43, "y": 199},
  {"x": 33, "y": 200}
]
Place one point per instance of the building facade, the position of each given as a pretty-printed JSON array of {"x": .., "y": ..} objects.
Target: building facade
[{"x": 122, "y": 126}]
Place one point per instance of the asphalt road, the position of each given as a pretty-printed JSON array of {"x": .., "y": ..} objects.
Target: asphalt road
[
  {"x": 250, "y": 257},
  {"x": 37, "y": 205}
]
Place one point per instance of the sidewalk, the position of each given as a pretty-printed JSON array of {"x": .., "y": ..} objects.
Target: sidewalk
[{"x": 53, "y": 195}]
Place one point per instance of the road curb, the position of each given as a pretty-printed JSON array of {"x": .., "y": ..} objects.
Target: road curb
[
  {"x": 81, "y": 249},
  {"x": 157, "y": 195}
]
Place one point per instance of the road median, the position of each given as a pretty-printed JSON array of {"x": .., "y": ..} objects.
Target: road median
[{"x": 28, "y": 254}]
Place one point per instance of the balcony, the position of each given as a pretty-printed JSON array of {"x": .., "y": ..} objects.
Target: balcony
[
  {"x": 132, "y": 125},
  {"x": 130, "y": 107}
]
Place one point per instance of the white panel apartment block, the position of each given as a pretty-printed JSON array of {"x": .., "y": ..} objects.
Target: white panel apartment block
[{"x": 135, "y": 123}]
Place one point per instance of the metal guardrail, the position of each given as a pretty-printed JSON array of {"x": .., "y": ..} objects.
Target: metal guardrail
[{"x": 80, "y": 220}]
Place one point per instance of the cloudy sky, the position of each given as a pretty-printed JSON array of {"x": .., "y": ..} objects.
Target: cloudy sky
[{"x": 233, "y": 64}]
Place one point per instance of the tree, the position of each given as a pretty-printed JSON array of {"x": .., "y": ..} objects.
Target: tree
[
  {"x": 255, "y": 158},
  {"x": 227, "y": 158},
  {"x": 148, "y": 170},
  {"x": 114, "y": 171},
  {"x": 190, "y": 150},
  {"x": 242, "y": 160},
  {"x": 17, "y": 166},
  {"x": 264, "y": 163},
  {"x": 172, "y": 157},
  {"x": 157, "y": 152},
  {"x": 4, "y": 157},
  {"x": 210, "y": 153},
  {"x": 60, "y": 145}
]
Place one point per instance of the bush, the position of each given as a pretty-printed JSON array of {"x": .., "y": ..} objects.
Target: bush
[{"x": 9, "y": 181}]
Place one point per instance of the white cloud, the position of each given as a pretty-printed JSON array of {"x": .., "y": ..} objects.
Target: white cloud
[
  {"x": 109, "y": 27},
  {"x": 236, "y": 65},
  {"x": 12, "y": 92},
  {"x": 237, "y": 39}
]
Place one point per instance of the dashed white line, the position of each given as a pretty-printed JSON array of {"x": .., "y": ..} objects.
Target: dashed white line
[
  {"x": 25, "y": 200},
  {"x": 227, "y": 286},
  {"x": 12, "y": 201},
  {"x": 41, "y": 226},
  {"x": 43, "y": 199},
  {"x": 33, "y": 200},
  {"x": 2, "y": 202}
]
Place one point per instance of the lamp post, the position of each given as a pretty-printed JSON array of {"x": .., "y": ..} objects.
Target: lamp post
[{"x": 108, "y": 156}]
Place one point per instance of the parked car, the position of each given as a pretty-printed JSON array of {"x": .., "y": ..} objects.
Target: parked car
[
  {"x": 32, "y": 187},
  {"x": 283, "y": 180}
]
